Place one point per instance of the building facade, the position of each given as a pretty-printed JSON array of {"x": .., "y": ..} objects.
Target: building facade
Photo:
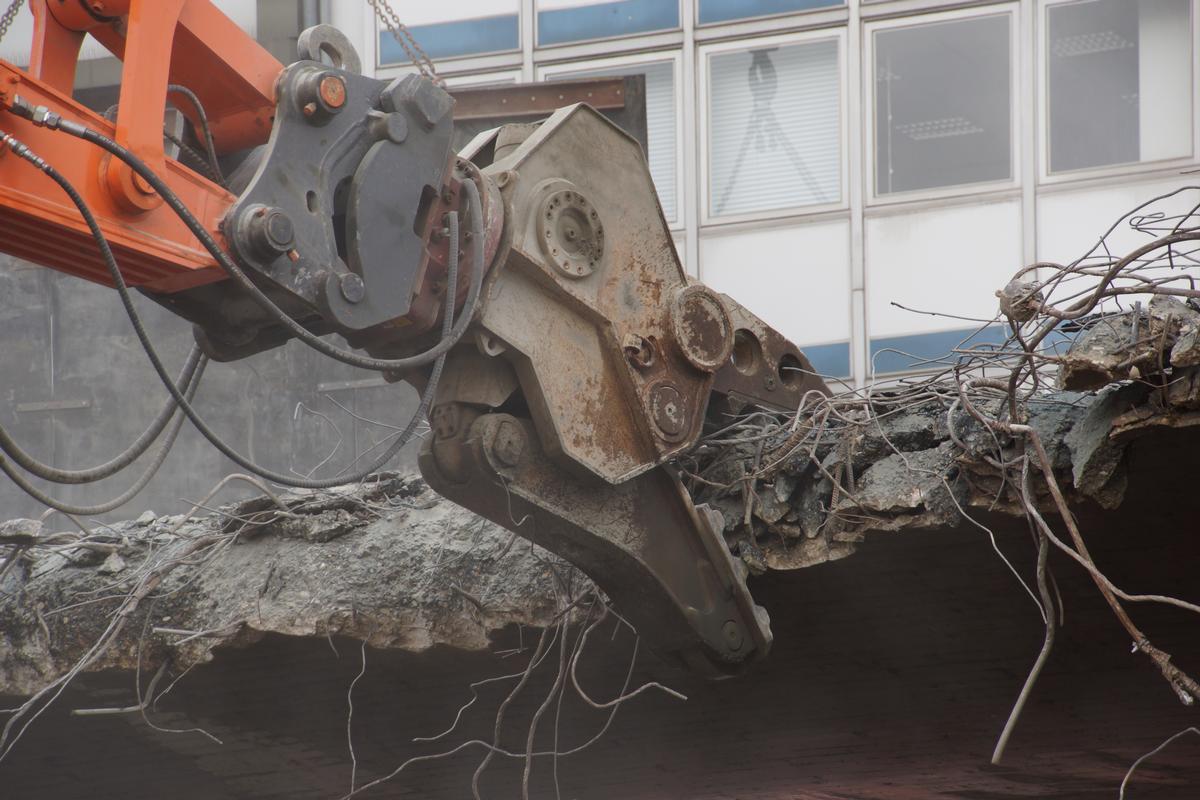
[{"x": 842, "y": 165}]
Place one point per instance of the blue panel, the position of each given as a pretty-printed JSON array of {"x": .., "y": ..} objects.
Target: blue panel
[
  {"x": 724, "y": 10},
  {"x": 602, "y": 20},
  {"x": 466, "y": 37},
  {"x": 832, "y": 360},
  {"x": 915, "y": 349}
]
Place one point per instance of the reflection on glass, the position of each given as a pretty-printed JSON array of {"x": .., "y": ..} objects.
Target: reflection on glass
[
  {"x": 942, "y": 104},
  {"x": 1119, "y": 82}
]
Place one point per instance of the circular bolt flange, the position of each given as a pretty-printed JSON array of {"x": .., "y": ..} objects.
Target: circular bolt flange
[
  {"x": 701, "y": 327},
  {"x": 509, "y": 444},
  {"x": 570, "y": 233},
  {"x": 668, "y": 409},
  {"x": 353, "y": 288}
]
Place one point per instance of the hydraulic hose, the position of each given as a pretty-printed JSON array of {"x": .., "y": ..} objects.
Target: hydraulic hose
[
  {"x": 448, "y": 327},
  {"x": 187, "y": 377},
  {"x": 160, "y": 455}
]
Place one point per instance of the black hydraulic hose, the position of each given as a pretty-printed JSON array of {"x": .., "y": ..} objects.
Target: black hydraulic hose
[
  {"x": 189, "y": 375},
  {"x": 160, "y": 455},
  {"x": 256, "y": 294},
  {"x": 205, "y": 129},
  {"x": 287, "y": 480}
]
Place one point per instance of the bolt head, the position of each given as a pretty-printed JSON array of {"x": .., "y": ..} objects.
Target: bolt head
[
  {"x": 279, "y": 229},
  {"x": 668, "y": 409},
  {"x": 733, "y": 634},
  {"x": 353, "y": 288},
  {"x": 509, "y": 444},
  {"x": 333, "y": 91}
]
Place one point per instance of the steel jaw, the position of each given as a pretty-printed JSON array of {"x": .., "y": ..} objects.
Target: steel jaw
[{"x": 593, "y": 362}]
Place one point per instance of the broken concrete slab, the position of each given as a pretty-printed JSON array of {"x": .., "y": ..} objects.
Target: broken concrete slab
[{"x": 392, "y": 564}]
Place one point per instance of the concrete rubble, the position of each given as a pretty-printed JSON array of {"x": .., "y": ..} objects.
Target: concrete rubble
[
  {"x": 389, "y": 563},
  {"x": 395, "y": 565}
]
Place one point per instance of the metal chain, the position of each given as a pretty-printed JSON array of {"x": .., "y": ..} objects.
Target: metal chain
[
  {"x": 403, "y": 35},
  {"x": 10, "y": 13}
]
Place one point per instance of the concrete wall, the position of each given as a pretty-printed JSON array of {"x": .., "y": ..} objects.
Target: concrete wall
[{"x": 77, "y": 388}]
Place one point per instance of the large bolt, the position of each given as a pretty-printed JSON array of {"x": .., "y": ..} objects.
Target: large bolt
[
  {"x": 733, "y": 634},
  {"x": 353, "y": 288},
  {"x": 509, "y": 444},
  {"x": 320, "y": 94},
  {"x": 668, "y": 409},
  {"x": 268, "y": 231},
  {"x": 332, "y": 91}
]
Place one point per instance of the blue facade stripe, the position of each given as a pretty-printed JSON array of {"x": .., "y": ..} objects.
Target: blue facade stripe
[
  {"x": 465, "y": 37},
  {"x": 724, "y": 10},
  {"x": 914, "y": 349},
  {"x": 830, "y": 359},
  {"x": 602, "y": 20}
]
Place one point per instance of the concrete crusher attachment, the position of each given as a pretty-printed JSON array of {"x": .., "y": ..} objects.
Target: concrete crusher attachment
[{"x": 592, "y": 363}]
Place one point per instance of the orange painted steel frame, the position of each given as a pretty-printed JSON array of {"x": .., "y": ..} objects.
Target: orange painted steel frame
[{"x": 188, "y": 42}]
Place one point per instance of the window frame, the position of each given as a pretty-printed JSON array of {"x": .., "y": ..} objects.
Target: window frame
[
  {"x": 543, "y": 71},
  {"x": 1016, "y": 116},
  {"x": 473, "y": 62},
  {"x": 1130, "y": 168},
  {"x": 766, "y": 22},
  {"x": 630, "y": 41},
  {"x": 704, "y": 115}
]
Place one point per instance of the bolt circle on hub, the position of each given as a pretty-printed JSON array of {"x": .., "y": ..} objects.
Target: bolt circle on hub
[{"x": 570, "y": 233}]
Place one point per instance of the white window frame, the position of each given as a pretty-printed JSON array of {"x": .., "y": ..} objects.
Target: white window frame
[
  {"x": 479, "y": 62},
  {"x": 607, "y": 44},
  {"x": 1045, "y": 176},
  {"x": 477, "y": 80},
  {"x": 1016, "y": 114},
  {"x": 704, "y": 109},
  {"x": 769, "y": 23},
  {"x": 546, "y": 71}
]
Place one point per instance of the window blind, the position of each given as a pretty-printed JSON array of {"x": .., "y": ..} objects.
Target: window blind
[{"x": 774, "y": 128}]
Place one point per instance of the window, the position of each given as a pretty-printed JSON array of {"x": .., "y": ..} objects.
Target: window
[
  {"x": 461, "y": 28},
  {"x": 724, "y": 10},
  {"x": 662, "y": 125},
  {"x": 562, "y": 21},
  {"x": 1119, "y": 82},
  {"x": 942, "y": 104},
  {"x": 774, "y": 128}
]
